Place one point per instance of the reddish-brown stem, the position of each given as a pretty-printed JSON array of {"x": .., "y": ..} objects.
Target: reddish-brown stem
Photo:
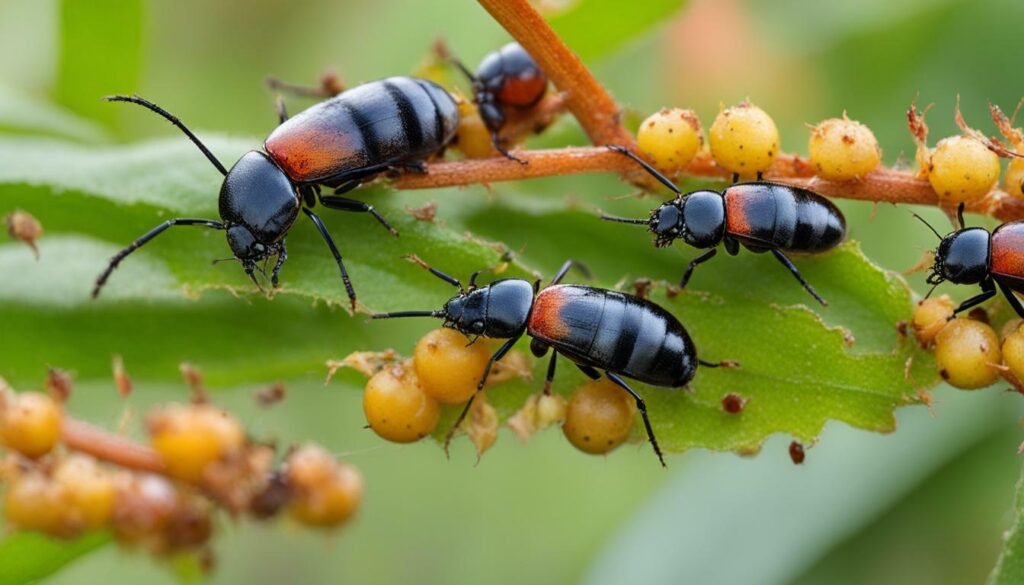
[
  {"x": 883, "y": 185},
  {"x": 86, "y": 438},
  {"x": 586, "y": 98}
]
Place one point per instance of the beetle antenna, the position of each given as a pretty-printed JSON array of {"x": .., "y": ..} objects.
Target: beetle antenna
[
  {"x": 934, "y": 231},
  {"x": 133, "y": 99},
  {"x": 647, "y": 167},
  {"x": 219, "y": 260},
  {"x": 407, "y": 314},
  {"x": 465, "y": 70},
  {"x": 635, "y": 221},
  {"x": 932, "y": 289}
]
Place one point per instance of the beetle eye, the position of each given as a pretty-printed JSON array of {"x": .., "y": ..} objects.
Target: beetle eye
[{"x": 476, "y": 327}]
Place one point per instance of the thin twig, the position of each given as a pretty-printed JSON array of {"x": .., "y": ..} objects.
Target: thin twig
[
  {"x": 123, "y": 452},
  {"x": 883, "y": 185}
]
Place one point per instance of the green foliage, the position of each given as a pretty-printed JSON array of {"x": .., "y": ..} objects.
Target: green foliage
[
  {"x": 29, "y": 557},
  {"x": 101, "y": 52},
  {"x": 1009, "y": 568},
  {"x": 595, "y": 28}
]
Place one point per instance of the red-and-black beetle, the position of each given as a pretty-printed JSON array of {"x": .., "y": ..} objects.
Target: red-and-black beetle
[
  {"x": 506, "y": 79},
  {"x": 599, "y": 330},
  {"x": 389, "y": 124},
  {"x": 977, "y": 256},
  {"x": 760, "y": 215}
]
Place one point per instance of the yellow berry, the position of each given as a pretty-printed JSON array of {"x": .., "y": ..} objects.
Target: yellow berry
[
  {"x": 326, "y": 493},
  {"x": 190, "y": 437},
  {"x": 1014, "y": 180},
  {"x": 32, "y": 503},
  {"x": 87, "y": 493},
  {"x": 30, "y": 423},
  {"x": 967, "y": 354},
  {"x": 397, "y": 408},
  {"x": 448, "y": 366},
  {"x": 961, "y": 169},
  {"x": 843, "y": 150},
  {"x": 744, "y": 139},
  {"x": 599, "y": 417},
  {"x": 472, "y": 137},
  {"x": 670, "y": 138},
  {"x": 930, "y": 316},
  {"x": 1013, "y": 353}
]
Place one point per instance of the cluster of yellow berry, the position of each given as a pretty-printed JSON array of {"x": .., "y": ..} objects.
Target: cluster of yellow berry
[
  {"x": 403, "y": 398},
  {"x": 744, "y": 140},
  {"x": 968, "y": 351},
  {"x": 64, "y": 478}
]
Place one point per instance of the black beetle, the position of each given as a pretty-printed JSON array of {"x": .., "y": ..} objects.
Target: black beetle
[
  {"x": 762, "y": 216},
  {"x": 597, "y": 329}
]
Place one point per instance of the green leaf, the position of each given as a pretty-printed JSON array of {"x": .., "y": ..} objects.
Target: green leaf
[
  {"x": 1009, "y": 569},
  {"x": 595, "y": 28},
  {"x": 27, "y": 557},
  {"x": 802, "y": 365},
  {"x": 101, "y": 52},
  {"x": 20, "y": 114}
]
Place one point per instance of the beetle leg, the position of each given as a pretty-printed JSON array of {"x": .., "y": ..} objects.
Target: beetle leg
[
  {"x": 496, "y": 142},
  {"x": 796, "y": 273},
  {"x": 732, "y": 246},
  {"x": 693, "y": 264},
  {"x": 418, "y": 167},
  {"x": 145, "y": 238},
  {"x": 282, "y": 255},
  {"x": 550, "y": 377},
  {"x": 642, "y": 407},
  {"x": 337, "y": 255},
  {"x": 988, "y": 290},
  {"x": 282, "y": 110},
  {"x": 504, "y": 349},
  {"x": 589, "y": 372},
  {"x": 346, "y": 204},
  {"x": 1013, "y": 300},
  {"x": 568, "y": 264}
]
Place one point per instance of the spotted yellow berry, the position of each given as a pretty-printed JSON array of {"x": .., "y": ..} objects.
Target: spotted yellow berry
[
  {"x": 396, "y": 407},
  {"x": 930, "y": 316},
  {"x": 1013, "y": 352},
  {"x": 32, "y": 503},
  {"x": 448, "y": 366},
  {"x": 30, "y": 423},
  {"x": 962, "y": 169},
  {"x": 87, "y": 493},
  {"x": 843, "y": 150},
  {"x": 744, "y": 140},
  {"x": 325, "y": 492},
  {"x": 190, "y": 437},
  {"x": 599, "y": 417},
  {"x": 670, "y": 138},
  {"x": 967, "y": 353}
]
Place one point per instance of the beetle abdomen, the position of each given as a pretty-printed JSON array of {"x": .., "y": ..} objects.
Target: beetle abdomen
[
  {"x": 391, "y": 121},
  {"x": 1007, "y": 262},
  {"x": 777, "y": 216},
  {"x": 613, "y": 331}
]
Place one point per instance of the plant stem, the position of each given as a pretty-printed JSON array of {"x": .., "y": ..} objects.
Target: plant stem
[
  {"x": 883, "y": 185},
  {"x": 123, "y": 452},
  {"x": 586, "y": 98}
]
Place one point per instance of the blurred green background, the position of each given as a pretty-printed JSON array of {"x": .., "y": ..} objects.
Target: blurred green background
[{"x": 924, "y": 505}]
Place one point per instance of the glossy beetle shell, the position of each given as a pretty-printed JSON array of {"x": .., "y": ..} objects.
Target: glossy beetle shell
[
  {"x": 388, "y": 122},
  {"x": 613, "y": 331}
]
